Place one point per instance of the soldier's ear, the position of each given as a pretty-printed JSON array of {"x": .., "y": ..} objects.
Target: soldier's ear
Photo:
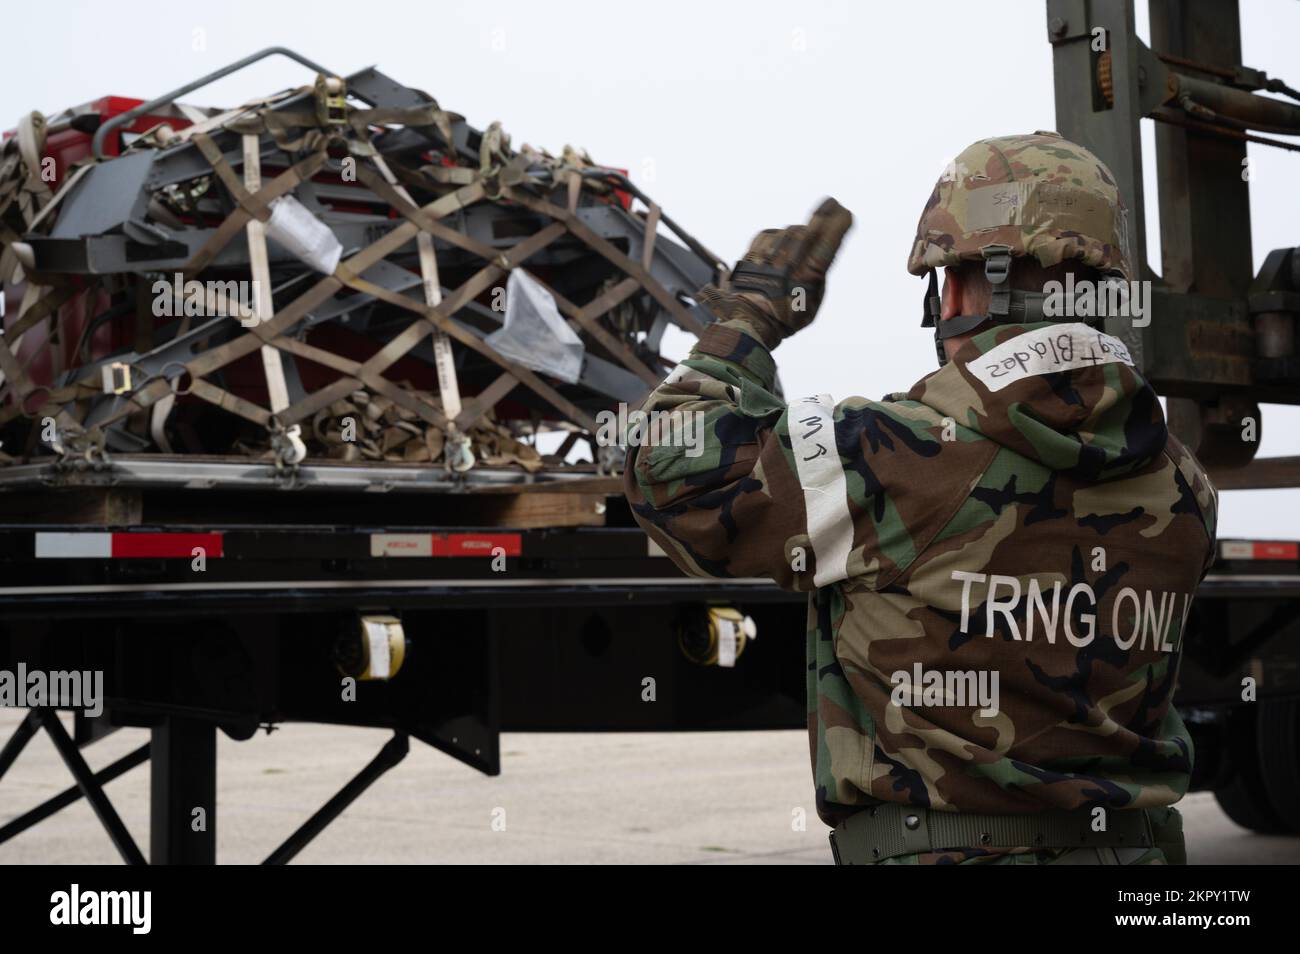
[{"x": 952, "y": 295}]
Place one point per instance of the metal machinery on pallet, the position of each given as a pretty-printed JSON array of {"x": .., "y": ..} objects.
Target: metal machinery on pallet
[
  {"x": 1221, "y": 339},
  {"x": 335, "y": 275}
]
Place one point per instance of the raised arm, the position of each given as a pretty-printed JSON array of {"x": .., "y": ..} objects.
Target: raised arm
[{"x": 730, "y": 479}]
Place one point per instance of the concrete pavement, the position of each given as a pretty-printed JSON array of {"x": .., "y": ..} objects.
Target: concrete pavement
[{"x": 685, "y": 798}]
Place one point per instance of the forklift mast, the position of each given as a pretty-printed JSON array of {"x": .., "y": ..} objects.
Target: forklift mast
[{"x": 1221, "y": 338}]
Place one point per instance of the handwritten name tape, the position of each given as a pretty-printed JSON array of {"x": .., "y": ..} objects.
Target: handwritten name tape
[{"x": 1045, "y": 351}]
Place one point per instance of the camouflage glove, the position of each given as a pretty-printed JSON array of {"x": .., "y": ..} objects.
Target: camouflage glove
[{"x": 778, "y": 286}]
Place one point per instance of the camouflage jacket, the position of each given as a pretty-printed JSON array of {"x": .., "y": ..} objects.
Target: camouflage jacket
[{"x": 1023, "y": 514}]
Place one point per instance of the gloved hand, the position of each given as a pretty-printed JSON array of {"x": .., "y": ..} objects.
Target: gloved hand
[{"x": 778, "y": 286}]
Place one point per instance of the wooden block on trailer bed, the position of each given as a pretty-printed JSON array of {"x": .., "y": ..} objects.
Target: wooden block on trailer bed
[
  {"x": 542, "y": 509},
  {"x": 99, "y": 506}
]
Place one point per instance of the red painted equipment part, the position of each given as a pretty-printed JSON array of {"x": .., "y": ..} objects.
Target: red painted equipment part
[{"x": 67, "y": 144}]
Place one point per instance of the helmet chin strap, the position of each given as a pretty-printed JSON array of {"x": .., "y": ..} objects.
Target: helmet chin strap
[{"x": 1007, "y": 306}]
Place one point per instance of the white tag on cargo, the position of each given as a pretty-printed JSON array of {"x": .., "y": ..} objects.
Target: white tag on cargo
[
  {"x": 303, "y": 235},
  {"x": 535, "y": 333}
]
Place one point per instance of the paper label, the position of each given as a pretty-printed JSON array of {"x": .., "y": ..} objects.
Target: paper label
[{"x": 1046, "y": 351}]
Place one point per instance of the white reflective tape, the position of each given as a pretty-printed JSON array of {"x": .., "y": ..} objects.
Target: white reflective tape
[
  {"x": 1236, "y": 550},
  {"x": 653, "y": 549},
  {"x": 380, "y": 656},
  {"x": 1045, "y": 351},
  {"x": 726, "y": 643},
  {"x": 74, "y": 545},
  {"x": 825, "y": 492},
  {"x": 401, "y": 544}
]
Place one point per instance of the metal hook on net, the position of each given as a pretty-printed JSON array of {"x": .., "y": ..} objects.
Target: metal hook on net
[
  {"x": 95, "y": 453},
  {"x": 458, "y": 452},
  {"x": 78, "y": 449},
  {"x": 286, "y": 445}
]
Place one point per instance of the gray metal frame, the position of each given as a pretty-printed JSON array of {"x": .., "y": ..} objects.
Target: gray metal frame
[{"x": 1220, "y": 339}]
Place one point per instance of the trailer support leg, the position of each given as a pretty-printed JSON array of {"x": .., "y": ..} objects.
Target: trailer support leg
[
  {"x": 388, "y": 756},
  {"x": 183, "y": 795},
  {"x": 18, "y": 741},
  {"x": 90, "y": 788},
  {"x": 70, "y": 795}
]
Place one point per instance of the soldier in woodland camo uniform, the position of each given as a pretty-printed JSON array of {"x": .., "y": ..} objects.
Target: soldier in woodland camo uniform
[{"x": 1022, "y": 511}]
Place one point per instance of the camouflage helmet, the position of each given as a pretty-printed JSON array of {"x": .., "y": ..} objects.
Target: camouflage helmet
[{"x": 1039, "y": 195}]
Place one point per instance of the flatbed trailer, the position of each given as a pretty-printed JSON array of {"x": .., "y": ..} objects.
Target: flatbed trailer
[{"x": 234, "y": 627}]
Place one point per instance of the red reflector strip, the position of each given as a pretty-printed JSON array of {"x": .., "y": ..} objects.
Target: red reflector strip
[
  {"x": 174, "y": 545},
  {"x": 1276, "y": 551},
  {"x": 1259, "y": 550},
  {"x": 126, "y": 545},
  {"x": 476, "y": 544},
  {"x": 444, "y": 544}
]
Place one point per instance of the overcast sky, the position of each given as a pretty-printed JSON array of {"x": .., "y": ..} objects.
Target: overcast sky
[{"x": 734, "y": 116}]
